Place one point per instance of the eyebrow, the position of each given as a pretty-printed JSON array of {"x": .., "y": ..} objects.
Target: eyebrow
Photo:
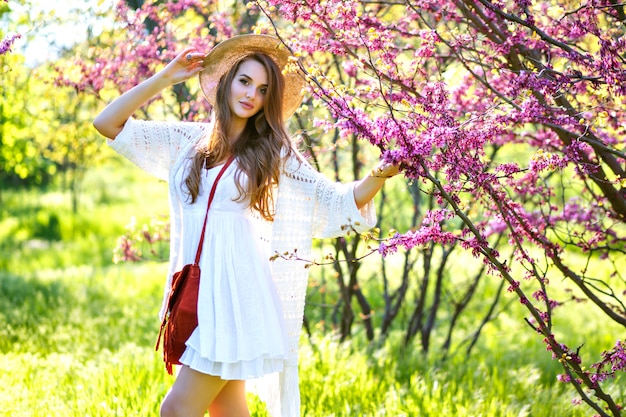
[{"x": 250, "y": 78}]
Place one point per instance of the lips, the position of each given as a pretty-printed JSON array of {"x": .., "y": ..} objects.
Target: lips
[{"x": 246, "y": 105}]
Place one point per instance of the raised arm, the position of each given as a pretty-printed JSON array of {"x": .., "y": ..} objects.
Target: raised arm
[
  {"x": 112, "y": 119},
  {"x": 367, "y": 188}
]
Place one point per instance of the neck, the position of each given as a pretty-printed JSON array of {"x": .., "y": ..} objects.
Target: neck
[{"x": 235, "y": 130}]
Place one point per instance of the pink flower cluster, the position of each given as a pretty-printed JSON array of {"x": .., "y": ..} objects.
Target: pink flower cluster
[
  {"x": 7, "y": 43},
  {"x": 142, "y": 51},
  {"x": 612, "y": 362},
  {"x": 151, "y": 241}
]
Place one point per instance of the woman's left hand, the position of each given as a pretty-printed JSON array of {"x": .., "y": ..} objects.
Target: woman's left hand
[
  {"x": 385, "y": 170},
  {"x": 367, "y": 188}
]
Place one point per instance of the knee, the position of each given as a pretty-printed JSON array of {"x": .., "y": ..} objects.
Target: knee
[{"x": 168, "y": 408}]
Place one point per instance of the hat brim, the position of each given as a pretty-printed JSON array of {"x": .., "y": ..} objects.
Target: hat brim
[{"x": 229, "y": 52}]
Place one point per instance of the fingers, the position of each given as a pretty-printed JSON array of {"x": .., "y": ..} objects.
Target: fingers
[
  {"x": 185, "y": 65},
  {"x": 189, "y": 56},
  {"x": 190, "y": 60},
  {"x": 386, "y": 170}
]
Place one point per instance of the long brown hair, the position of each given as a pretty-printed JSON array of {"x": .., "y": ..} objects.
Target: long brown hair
[{"x": 258, "y": 148}]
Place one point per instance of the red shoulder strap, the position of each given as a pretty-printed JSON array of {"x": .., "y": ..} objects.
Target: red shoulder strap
[{"x": 206, "y": 216}]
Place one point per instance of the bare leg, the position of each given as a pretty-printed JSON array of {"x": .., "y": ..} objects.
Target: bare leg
[
  {"x": 192, "y": 394},
  {"x": 231, "y": 401}
]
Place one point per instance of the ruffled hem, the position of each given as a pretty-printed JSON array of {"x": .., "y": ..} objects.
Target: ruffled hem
[{"x": 240, "y": 370}]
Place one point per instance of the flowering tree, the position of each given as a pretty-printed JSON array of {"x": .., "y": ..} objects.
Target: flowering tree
[
  {"x": 145, "y": 36},
  {"x": 515, "y": 106},
  {"x": 507, "y": 115}
]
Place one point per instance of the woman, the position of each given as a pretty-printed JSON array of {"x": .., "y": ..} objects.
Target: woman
[{"x": 268, "y": 201}]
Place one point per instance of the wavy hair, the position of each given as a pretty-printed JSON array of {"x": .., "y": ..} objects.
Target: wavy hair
[{"x": 258, "y": 148}]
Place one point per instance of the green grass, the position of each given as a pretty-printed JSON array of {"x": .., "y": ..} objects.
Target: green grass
[
  {"x": 348, "y": 380},
  {"x": 78, "y": 331}
]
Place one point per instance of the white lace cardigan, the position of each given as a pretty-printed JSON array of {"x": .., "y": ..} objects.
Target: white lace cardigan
[{"x": 307, "y": 205}]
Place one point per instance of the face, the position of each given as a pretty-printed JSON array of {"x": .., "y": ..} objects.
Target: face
[{"x": 248, "y": 89}]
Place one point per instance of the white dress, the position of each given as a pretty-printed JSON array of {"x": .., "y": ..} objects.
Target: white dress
[
  {"x": 241, "y": 330},
  {"x": 307, "y": 205}
]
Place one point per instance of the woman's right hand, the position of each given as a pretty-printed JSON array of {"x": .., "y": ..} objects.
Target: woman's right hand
[
  {"x": 112, "y": 119},
  {"x": 184, "y": 66}
]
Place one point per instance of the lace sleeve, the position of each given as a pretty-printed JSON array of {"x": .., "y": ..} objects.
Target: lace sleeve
[
  {"x": 334, "y": 209},
  {"x": 155, "y": 146},
  {"x": 336, "y": 212}
]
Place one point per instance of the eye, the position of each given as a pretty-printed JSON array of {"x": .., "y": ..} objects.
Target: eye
[
  {"x": 264, "y": 90},
  {"x": 244, "y": 81}
]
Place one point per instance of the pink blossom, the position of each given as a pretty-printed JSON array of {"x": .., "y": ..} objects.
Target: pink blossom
[{"x": 7, "y": 42}]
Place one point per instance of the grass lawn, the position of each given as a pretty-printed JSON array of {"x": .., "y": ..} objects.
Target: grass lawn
[{"x": 78, "y": 331}]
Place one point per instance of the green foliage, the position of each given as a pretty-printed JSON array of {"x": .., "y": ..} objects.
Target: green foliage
[
  {"x": 45, "y": 127},
  {"x": 21, "y": 162},
  {"x": 40, "y": 230}
]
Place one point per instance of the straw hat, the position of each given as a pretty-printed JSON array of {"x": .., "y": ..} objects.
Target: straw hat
[{"x": 227, "y": 53}]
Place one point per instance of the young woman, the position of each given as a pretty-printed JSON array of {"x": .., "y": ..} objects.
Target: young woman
[{"x": 269, "y": 201}]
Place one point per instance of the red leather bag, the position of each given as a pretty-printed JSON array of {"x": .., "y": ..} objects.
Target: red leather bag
[{"x": 181, "y": 315}]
